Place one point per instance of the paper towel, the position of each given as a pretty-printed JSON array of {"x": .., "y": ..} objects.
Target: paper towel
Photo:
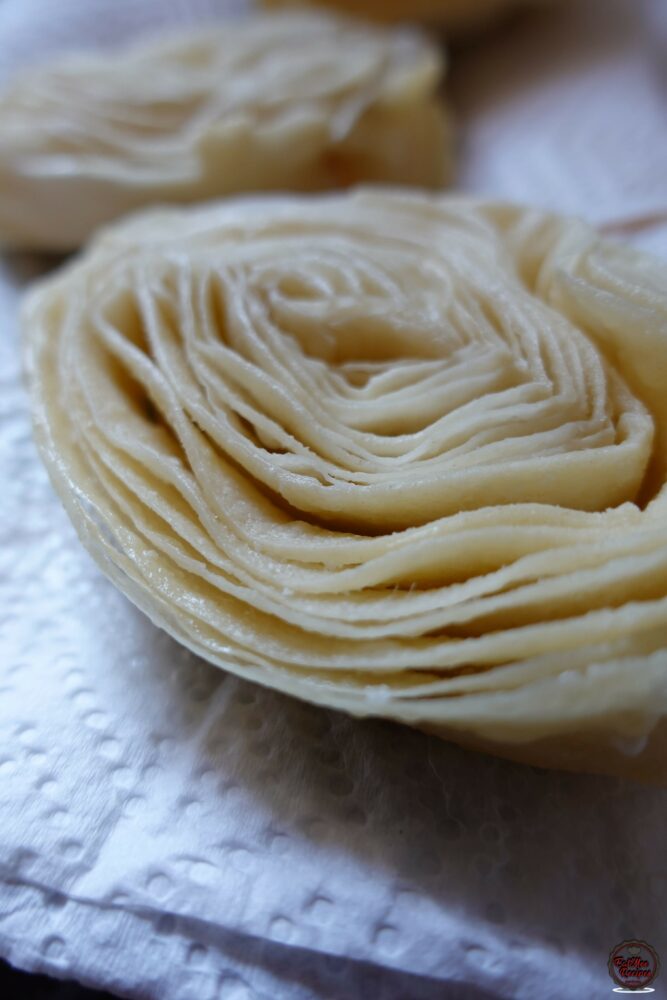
[
  {"x": 567, "y": 109},
  {"x": 170, "y": 832}
]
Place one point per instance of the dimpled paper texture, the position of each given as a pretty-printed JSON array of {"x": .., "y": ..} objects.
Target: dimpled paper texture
[{"x": 170, "y": 832}]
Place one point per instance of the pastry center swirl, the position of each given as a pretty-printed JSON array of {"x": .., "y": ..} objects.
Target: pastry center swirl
[{"x": 375, "y": 383}]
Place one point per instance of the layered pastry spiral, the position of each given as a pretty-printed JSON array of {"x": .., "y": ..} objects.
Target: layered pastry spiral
[
  {"x": 289, "y": 101},
  {"x": 403, "y": 455},
  {"x": 456, "y": 16}
]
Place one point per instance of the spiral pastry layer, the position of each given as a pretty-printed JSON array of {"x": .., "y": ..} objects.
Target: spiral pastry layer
[
  {"x": 289, "y": 101},
  {"x": 399, "y": 454}
]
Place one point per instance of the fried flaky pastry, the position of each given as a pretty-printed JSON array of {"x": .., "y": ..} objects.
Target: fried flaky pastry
[
  {"x": 399, "y": 454},
  {"x": 455, "y": 16},
  {"x": 291, "y": 101}
]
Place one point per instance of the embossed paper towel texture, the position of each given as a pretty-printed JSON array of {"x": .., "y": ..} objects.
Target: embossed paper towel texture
[
  {"x": 568, "y": 109},
  {"x": 170, "y": 832}
]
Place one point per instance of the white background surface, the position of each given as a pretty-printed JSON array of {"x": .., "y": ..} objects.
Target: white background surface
[{"x": 172, "y": 833}]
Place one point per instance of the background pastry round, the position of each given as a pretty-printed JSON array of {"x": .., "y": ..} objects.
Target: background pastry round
[
  {"x": 296, "y": 100},
  {"x": 458, "y": 17}
]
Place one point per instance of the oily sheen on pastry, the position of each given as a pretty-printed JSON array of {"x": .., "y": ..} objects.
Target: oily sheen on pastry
[
  {"x": 289, "y": 101},
  {"x": 455, "y": 16},
  {"x": 399, "y": 454}
]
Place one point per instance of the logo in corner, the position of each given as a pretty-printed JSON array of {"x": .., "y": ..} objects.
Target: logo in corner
[{"x": 633, "y": 965}]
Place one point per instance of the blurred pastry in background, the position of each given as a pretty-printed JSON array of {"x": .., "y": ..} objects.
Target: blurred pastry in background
[
  {"x": 456, "y": 16},
  {"x": 298, "y": 101}
]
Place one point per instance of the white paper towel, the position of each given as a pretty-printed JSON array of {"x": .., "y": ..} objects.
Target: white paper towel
[
  {"x": 568, "y": 109},
  {"x": 172, "y": 833}
]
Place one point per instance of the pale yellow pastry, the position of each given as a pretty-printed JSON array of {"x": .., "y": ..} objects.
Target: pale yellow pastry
[
  {"x": 399, "y": 454},
  {"x": 456, "y": 16},
  {"x": 302, "y": 101}
]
